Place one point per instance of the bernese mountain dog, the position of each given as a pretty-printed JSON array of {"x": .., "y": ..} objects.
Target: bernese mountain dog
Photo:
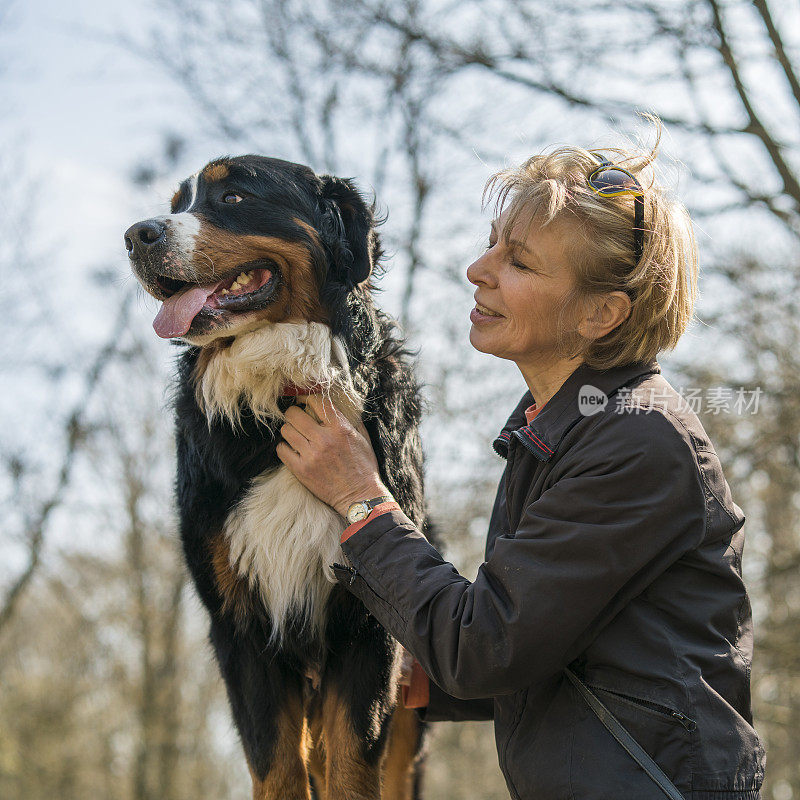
[{"x": 264, "y": 272}]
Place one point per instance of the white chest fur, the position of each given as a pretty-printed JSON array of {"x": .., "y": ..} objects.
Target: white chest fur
[
  {"x": 283, "y": 541},
  {"x": 282, "y": 538}
]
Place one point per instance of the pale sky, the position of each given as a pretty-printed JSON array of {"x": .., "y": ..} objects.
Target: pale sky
[
  {"x": 83, "y": 110},
  {"x": 80, "y": 111}
]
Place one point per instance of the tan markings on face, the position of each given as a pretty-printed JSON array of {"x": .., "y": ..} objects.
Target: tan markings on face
[
  {"x": 216, "y": 172},
  {"x": 173, "y": 204},
  {"x": 399, "y": 766},
  {"x": 287, "y": 777},
  {"x": 310, "y": 231},
  {"x": 347, "y": 775},
  {"x": 233, "y": 590},
  {"x": 218, "y": 253}
]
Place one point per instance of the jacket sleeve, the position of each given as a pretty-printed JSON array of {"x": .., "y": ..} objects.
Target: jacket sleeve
[
  {"x": 443, "y": 707},
  {"x": 623, "y": 504}
]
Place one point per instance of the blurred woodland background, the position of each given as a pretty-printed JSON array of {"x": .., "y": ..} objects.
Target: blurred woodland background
[{"x": 107, "y": 686}]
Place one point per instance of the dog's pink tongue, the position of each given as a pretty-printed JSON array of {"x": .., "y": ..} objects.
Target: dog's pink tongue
[{"x": 178, "y": 311}]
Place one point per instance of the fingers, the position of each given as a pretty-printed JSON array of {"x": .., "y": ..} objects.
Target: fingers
[
  {"x": 327, "y": 412},
  {"x": 287, "y": 456},
  {"x": 330, "y": 416},
  {"x": 293, "y": 437},
  {"x": 300, "y": 421},
  {"x": 362, "y": 429},
  {"x": 406, "y": 662}
]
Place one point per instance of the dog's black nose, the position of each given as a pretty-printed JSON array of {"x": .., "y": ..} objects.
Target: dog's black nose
[{"x": 142, "y": 236}]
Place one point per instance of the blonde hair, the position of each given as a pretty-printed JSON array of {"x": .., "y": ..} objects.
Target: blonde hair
[{"x": 552, "y": 188}]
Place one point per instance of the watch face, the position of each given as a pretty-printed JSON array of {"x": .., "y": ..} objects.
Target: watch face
[{"x": 357, "y": 512}]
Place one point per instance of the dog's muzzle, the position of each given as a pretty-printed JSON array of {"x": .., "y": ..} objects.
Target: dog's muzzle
[{"x": 142, "y": 238}]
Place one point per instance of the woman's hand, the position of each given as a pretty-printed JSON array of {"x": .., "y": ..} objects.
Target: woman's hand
[
  {"x": 331, "y": 458},
  {"x": 416, "y": 686},
  {"x": 406, "y": 663}
]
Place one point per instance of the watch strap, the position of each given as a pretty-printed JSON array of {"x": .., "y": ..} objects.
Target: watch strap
[
  {"x": 368, "y": 504},
  {"x": 376, "y": 501},
  {"x": 381, "y": 508}
]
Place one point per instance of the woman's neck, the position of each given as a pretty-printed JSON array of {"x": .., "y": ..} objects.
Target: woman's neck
[{"x": 544, "y": 380}]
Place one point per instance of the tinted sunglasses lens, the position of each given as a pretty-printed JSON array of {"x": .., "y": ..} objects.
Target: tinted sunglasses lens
[{"x": 612, "y": 180}]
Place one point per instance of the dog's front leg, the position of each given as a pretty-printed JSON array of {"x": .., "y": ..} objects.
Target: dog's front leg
[
  {"x": 285, "y": 776},
  {"x": 351, "y": 771},
  {"x": 402, "y": 764},
  {"x": 267, "y": 703},
  {"x": 358, "y": 698}
]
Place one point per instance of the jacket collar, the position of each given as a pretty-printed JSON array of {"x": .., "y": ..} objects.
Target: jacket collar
[{"x": 543, "y": 436}]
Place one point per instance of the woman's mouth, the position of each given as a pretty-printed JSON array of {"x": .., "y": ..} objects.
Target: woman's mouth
[{"x": 482, "y": 314}]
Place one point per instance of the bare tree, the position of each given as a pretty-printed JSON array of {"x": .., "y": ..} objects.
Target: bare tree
[
  {"x": 410, "y": 96},
  {"x": 33, "y": 484},
  {"x": 38, "y": 511},
  {"x": 712, "y": 57},
  {"x": 109, "y": 687}
]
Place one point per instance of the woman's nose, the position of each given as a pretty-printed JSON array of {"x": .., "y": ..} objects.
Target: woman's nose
[{"x": 481, "y": 270}]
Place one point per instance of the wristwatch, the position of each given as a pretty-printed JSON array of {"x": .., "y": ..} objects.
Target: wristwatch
[{"x": 361, "y": 510}]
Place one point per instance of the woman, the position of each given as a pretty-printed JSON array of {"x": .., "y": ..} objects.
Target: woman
[{"x": 613, "y": 559}]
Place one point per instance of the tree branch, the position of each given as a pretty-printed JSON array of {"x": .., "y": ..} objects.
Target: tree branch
[
  {"x": 755, "y": 126},
  {"x": 780, "y": 51},
  {"x": 75, "y": 428},
  {"x": 481, "y": 57}
]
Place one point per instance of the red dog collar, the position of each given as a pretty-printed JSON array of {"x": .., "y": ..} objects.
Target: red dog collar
[{"x": 291, "y": 390}]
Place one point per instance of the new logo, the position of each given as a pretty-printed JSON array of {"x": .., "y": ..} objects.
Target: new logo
[{"x": 591, "y": 400}]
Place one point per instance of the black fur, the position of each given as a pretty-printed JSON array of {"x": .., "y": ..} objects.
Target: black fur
[{"x": 216, "y": 462}]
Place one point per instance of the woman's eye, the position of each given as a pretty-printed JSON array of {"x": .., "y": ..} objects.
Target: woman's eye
[
  {"x": 232, "y": 198},
  {"x": 523, "y": 267}
]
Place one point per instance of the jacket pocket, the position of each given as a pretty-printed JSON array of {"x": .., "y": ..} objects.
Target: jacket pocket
[
  {"x": 663, "y": 711},
  {"x": 602, "y": 768},
  {"x": 537, "y": 739}
]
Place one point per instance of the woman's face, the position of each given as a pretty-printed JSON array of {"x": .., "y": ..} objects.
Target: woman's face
[{"x": 521, "y": 286}]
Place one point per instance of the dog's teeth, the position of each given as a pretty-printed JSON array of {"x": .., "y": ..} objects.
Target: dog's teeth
[
  {"x": 242, "y": 279},
  {"x": 224, "y": 291}
]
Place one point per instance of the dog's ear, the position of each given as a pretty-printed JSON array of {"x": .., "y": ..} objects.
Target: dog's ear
[{"x": 349, "y": 227}]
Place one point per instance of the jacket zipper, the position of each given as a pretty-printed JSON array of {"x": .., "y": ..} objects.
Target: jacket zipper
[
  {"x": 666, "y": 711},
  {"x": 351, "y": 570}
]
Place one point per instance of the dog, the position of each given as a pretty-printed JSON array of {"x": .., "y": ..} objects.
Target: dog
[{"x": 264, "y": 270}]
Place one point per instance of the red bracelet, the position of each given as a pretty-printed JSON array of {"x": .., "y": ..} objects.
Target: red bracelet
[
  {"x": 418, "y": 693},
  {"x": 376, "y": 512}
]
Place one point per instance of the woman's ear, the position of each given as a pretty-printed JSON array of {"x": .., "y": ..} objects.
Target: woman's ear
[
  {"x": 349, "y": 227},
  {"x": 607, "y": 312}
]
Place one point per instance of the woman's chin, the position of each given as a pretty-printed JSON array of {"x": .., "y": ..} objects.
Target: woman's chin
[{"x": 479, "y": 341}]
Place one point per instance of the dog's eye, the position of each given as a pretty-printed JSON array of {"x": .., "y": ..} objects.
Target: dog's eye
[{"x": 232, "y": 198}]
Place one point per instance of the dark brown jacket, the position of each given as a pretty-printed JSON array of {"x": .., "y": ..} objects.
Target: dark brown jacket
[{"x": 615, "y": 547}]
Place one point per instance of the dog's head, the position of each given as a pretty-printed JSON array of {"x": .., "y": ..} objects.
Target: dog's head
[{"x": 253, "y": 240}]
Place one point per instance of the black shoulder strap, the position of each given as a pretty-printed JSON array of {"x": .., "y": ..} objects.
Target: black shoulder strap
[{"x": 618, "y": 731}]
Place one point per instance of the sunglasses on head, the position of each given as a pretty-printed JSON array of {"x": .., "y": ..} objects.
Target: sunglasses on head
[{"x": 609, "y": 180}]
